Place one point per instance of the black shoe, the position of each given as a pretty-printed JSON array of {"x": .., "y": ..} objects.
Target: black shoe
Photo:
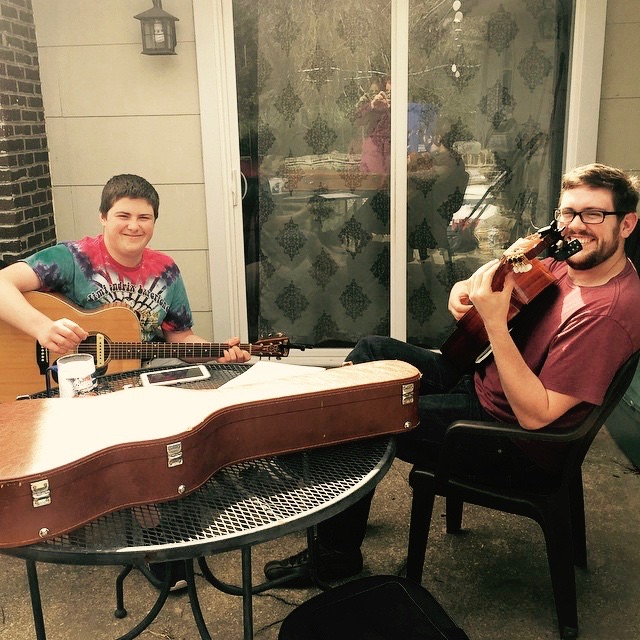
[
  {"x": 330, "y": 565},
  {"x": 178, "y": 574}
]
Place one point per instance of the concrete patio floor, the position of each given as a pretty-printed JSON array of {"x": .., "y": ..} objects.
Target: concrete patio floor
[{"x": 492, "y": 579}]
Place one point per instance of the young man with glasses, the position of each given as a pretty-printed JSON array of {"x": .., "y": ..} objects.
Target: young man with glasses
[{"x": 549, "y": 370}]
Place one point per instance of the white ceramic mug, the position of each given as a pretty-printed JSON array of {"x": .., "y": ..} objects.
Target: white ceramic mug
[{"x": 76, "y": 375}]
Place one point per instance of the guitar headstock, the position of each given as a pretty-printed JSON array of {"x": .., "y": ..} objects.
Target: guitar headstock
[
  {"x": 272, "y": 347},
  {"x": 563, "y": 250},
  {"x": 518, "y": 256}
]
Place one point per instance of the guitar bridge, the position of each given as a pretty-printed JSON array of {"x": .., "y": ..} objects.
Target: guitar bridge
[
  {"x": 42, "y": 358},
  {"x": 100, "y": 350}
]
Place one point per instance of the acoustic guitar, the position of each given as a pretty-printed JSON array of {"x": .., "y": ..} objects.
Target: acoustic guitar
[
  {"x": 469, "y": 343},
  {"x": 114, "y": 341}
]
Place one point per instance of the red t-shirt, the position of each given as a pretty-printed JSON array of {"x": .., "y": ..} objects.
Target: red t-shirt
[{"x": 574, "y": 339}]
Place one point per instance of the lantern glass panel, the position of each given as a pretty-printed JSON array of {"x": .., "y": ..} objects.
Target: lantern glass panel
[{"x": 158, "y": 36}]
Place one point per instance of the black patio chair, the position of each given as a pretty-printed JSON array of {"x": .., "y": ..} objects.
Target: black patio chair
[{"x": 557, "y": 506}]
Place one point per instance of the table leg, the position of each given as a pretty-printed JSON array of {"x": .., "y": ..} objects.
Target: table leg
[
  {"x": 36, "y": 602},
  {"x": 195, "y": 603},
  {"x": 120, "y": 611},
  {"x": 246, "y": 591},
  {"x": 153, "y": 612},
  {"x": 247, "y": 594}
]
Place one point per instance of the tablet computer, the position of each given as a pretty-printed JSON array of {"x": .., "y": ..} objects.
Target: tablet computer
[{"x": 190, "y": 373}]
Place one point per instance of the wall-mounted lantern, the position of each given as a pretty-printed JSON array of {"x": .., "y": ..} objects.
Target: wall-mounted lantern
[{"x": 158, "y": 31}]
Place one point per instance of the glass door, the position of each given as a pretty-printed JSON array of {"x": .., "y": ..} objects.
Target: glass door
[
  {"x": 486, "y": 125},
  {"x": 483, "y": 106},
  {"x": 313, "y": 83}
]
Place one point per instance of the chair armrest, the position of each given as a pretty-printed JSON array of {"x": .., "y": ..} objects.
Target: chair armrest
[
  {"x": 490, "y": 429},
  {"x": 594, "y": 419},
  {"x": 512, "y": 430}
]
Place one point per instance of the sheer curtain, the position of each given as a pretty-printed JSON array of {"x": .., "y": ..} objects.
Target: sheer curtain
[{"x": 485, "y": 122}]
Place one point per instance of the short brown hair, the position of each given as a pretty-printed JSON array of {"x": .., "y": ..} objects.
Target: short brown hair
[
  {"x": 127, "y": 185},
  {"x": 624, "y": 188}
]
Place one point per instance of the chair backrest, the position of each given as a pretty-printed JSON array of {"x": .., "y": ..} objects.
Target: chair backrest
[{"x": 584, "y": 434}]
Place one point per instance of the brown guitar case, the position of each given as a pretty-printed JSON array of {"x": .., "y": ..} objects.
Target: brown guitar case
[{"x": 66, "y": 461}]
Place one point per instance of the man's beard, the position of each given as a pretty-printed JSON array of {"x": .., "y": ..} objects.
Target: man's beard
[{"x": 593, "y": 259}]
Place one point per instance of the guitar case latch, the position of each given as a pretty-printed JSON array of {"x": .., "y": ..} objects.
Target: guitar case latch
[
  {"x": 174, "y": 454},
  {"x": 40, "y": 493},
  {"x": 407, "y": 393}
]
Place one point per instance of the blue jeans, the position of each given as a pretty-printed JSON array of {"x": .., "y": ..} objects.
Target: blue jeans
[{"x": 444, "y": 398}]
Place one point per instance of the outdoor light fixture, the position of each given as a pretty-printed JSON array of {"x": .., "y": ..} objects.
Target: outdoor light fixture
[{"x": 158, "y": 31}]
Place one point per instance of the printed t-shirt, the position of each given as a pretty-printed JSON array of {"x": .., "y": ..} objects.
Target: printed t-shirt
[
  {"x": 574, "y": 339},
  {"x": 84, "y": 272}
]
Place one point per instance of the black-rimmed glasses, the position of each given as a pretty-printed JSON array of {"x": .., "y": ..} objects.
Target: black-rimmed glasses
[{"x": 588, "y": 216}]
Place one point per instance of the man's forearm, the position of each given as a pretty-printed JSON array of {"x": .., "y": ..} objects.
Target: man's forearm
[{"x": 524, "y": 391}]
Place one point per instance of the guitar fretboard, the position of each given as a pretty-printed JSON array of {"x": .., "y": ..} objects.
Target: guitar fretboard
[{"x": 149, "y": 350}]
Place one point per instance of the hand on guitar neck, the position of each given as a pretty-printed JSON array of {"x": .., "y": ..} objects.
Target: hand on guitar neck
[
  {"x": 489, "y": 278},
  {"x": 114, "y": 340},
  {"x": 489, "y": 292}
]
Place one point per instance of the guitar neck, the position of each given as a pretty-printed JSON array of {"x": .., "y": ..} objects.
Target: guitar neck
[
  {"x": 470, "y": 339},
  {"x": 182, "y": 350},
  {"x": 114, "y": 341}
]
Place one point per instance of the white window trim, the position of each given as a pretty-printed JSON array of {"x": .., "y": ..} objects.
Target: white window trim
[
  {"x": 399, "y": 110},
  {"x": 213, "y": 23},
  {"x": 221, "y": 157},
  {"x": 585, "y": 83}
]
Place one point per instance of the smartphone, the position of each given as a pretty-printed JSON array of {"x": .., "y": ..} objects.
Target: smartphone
[{"x": 190, "y": 373}]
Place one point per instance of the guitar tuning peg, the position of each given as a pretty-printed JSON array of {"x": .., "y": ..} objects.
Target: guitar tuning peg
[{"x": 522, "y": 267}]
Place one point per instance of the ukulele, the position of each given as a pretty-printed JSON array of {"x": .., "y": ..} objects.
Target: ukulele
[{"x": 469, "y": 343}]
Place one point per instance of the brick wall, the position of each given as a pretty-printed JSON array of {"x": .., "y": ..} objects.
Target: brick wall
[{"x": 26, "y": 207}]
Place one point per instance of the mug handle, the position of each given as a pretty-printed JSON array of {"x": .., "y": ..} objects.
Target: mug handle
[{"x": 51, "y": 372}]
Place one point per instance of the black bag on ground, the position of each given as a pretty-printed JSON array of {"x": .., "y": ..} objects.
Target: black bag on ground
[{"x": 371, "y": 608}]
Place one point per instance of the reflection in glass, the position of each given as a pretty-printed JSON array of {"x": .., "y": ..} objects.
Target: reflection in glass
[
  {"x": 487, "y": 83},
  {"x": 314, "y": 114}
]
